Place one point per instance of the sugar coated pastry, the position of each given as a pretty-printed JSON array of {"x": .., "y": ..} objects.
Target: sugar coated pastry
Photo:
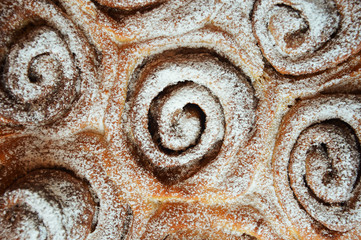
[{"x": 180, "y": 119}]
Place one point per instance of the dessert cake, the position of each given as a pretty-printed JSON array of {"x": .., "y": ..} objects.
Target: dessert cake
[{"x": 180, "y": 119}]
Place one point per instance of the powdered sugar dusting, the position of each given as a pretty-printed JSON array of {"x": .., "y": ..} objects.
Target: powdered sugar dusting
[
  {"x": 108, "y": 215},
  {"x": 44, "y": 68},
  {"x": 298, "y": 163},
  {"x": 59, "y": 201},
  {"x": 184, "y": 148},
  {"x": 128, "y": 4},
  {"x": 234, "y": 17},
  {"x": 17, "y": 76},
  {"x": 171, "y": 18},
  {"x": 304, "y": 41},
  {"x": 178, "y": 221},
  {"x": 162, "y": 88}
]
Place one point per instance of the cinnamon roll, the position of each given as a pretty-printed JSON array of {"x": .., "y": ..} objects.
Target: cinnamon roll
[
  {"x": 58, "y": 190},
  {"x": 303, "y": 37},
  {"x": 45, "y": 62},
  {"x": 316, "y": 166},
  {"x": 47, "y": 204},
  {"x": 178, "y": 113},
  {"x": 180, "y": 119}
]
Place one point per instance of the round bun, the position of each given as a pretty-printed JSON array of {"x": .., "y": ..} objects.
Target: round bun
[{"x": 180, "y": 119}]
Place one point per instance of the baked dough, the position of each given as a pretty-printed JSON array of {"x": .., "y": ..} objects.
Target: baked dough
[{"x": 180, "y": 119}]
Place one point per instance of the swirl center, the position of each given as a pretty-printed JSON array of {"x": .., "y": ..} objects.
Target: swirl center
[
  {"x": 176, "y": 118},
  {"x": 323, "y": 172},
  {"x": 288, "y": 28},
  {"x": 183, "y": 110},
  {"x": 184, "y": 129},
  {"x": 331, "y": 164},
  {"x": 44, "y": 70}
]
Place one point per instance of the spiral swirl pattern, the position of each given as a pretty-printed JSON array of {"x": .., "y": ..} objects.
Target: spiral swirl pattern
[
  {"x": 301, "y": 37},
  {"x": 44, "y": 69},
  {"x": 329, "y": 158},
  {"x": 38, "y": 73},
  {"x": 317, "y": 163},
  {"x": 180, "y": 117},
  {"x": 47, "y": 204},
  {"x": 90, "y": 205}
]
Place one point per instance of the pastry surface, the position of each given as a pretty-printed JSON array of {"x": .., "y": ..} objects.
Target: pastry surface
[{"x": 180, "y": 119}]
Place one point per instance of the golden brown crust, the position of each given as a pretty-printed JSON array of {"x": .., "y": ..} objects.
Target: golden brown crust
[
  {"x": 318, "y": 143},
  {"x": 303, "y": 44},
  {"x": 197, "y": 221},
  {"x": 47, "y": 199},
  {"x": 180, "y": 118},
  {"x": 82, "y": 156},
  {"x": 46, "y": 63}
]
